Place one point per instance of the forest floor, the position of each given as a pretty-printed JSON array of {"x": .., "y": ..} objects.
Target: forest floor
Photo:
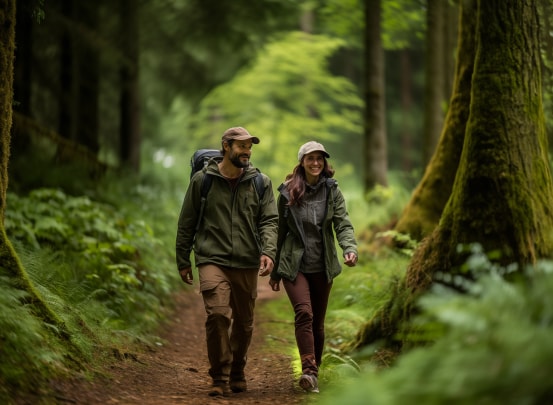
[{"x": 176, "y": 372}]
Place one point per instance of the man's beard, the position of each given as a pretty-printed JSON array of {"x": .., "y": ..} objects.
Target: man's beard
[{"x": 235, "y": 160}]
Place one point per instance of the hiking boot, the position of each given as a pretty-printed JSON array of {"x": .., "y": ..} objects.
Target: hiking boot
[
  {"x": 219, "y": 389},
  {"x": 309, "y": 383},
  {"x": 238, "y": 385}
]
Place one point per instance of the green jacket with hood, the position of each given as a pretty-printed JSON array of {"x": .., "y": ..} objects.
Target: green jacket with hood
[
  {"x": 291, "y": 238},
  {"x": 236, "y": 228}
]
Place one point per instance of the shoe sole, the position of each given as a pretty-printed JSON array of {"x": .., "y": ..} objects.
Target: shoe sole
[
  {"x": 307, "y": 384},
  {"x": 218, "y": 392}
]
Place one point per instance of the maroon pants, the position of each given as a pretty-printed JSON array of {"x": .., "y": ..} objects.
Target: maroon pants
[{"x": 308, "y": 294}]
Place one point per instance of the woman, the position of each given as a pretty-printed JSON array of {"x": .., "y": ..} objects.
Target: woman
[{"x": 311, "y": 209}]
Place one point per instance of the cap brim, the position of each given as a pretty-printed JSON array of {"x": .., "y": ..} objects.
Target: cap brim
[
  {"x": 325, "y": 153},
  {"x": 254, "y": 139}
]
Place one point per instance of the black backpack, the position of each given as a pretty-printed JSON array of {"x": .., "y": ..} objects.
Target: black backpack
[{"x": 199, "y": 160}]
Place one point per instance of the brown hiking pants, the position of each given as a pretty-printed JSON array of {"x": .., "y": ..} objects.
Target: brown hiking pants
[{"x": 229, "y": 298}]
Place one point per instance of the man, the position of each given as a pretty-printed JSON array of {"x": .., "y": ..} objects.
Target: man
[{"x": 234, "y": 242}]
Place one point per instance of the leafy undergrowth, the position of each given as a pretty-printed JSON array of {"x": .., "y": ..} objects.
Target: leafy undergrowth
[
  {"x": 101, "y": 269},
  {"x": 490, "y": 346}
]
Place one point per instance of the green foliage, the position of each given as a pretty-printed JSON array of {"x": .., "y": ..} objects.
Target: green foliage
[
  {"x": 357, "y": 294},
  {"x": 385, "y": 204},
  {"x": 22, "y": 338},
  {"x": 343, "y": 19},
  {"x": 402, "y": 22},
  {"x": 402, "y": 242},
  {"x": 99, "y": 239},
  {"x": 98, "y": 265},
  {"x": 491, "y": 345},
  {"x": 286, "y": 98}
]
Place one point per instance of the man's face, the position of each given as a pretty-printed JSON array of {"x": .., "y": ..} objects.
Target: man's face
[{"x": 240, "y": 152}]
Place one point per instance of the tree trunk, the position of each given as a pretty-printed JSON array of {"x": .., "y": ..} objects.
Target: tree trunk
[
  {"x": 375, "y": 146},
  {"x": 130, "y": 137},
  {"x": 10, "y": 266},
  {"x": 68, "y": 94},
  {"x": 20, "y": 140},
  {"x": 547, "y": 59},
  {"x": 422, "y": 213},
  {"x": 450, "y": 27},
  {"x": 88, "y": 61},
  {"x": 434, "y": 80},
  {"x": 7, "y": 49},
  {"x": 406, "y": 91},
  {"x": 503, "y": 191}
]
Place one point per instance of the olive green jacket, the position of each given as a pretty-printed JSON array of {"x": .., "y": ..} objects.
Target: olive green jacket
[
  {"x": 236, "y": 228},
  {"x": 291, "y": 238}
]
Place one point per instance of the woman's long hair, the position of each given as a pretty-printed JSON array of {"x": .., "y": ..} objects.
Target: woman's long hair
[{"x": 295, "y": 181}]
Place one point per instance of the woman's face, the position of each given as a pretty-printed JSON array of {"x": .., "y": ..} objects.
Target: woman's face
[{"x": 313, "y": 163}]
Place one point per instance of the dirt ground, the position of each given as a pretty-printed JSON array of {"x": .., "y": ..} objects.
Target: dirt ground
[{"x": 177, "y": 371}]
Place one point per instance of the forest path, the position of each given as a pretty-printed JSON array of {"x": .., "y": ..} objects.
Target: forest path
[{"x": 177, "y": 371}]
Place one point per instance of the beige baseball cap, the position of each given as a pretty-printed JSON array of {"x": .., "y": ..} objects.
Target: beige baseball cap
[{"x": 309, "y": 147}]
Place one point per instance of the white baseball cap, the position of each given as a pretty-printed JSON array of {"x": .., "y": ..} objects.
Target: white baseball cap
[{"x": 309, "y": 147}]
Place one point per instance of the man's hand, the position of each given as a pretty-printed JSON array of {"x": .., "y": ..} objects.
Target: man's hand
[
  {"x": 265, "y": 265},
  {"x": 186, "y": 275}
]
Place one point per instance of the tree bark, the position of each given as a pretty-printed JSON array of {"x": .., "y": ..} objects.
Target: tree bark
[
  {"x": 10, "y": 266},
  {"x": 68, "y": 94},
  {"x": 406, "y": 92},
  {"x": 375, "y": 144},
  {"x": 88, "y": 61},
  {"x": 503, "y": 191},
  {"x": 434, "y": 79},
  {"x": 450, "y": 27},
  {"x": 130, "y": 136},
  {"x": 20, "y": 140},
  {"x": 422, "y": 213},
  {"x": 7, "y": 49}
]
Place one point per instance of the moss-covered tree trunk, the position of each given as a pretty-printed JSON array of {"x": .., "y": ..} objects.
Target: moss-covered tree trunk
[
  {"x": 10, "y": 265},
  {"x": 422, "y": 213},
  {"x": 502, "y": 197},
  {"x": 434, "y": 78},
  {"x": 503, "y": 192},
  {"x": 7, "y": 49}
]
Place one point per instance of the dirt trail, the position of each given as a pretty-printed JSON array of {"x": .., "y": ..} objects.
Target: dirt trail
[{"x": 176, "y": 372}]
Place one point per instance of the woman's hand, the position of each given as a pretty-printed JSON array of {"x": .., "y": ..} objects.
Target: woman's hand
[
  {"x": 350, "y": 259},
  {"x": 275, "y": 285}
]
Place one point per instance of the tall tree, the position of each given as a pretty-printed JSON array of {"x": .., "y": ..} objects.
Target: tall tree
[
  {"x": 129, "y": 73},
  {"x": 67, "y": 99},
  {"x": 10, "y": 265},
  {"x": 88, "y": 75},
  {"x": 406, "y": 103},
  {"x": 7, "y": 49},
  {"x": 422, "y": 213},
  {"x": 23, "y": 70},
  {"x": 450, "y": 27},
  {"x": 434, "y": 78},
  {"x": 375, "y": 145},
  {"x": 503, "y": 191}
]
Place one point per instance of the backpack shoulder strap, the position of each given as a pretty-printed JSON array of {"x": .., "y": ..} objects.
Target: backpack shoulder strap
[
  {"x": 206, "y": 185},
  {"x": 259, "y": 184}
]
